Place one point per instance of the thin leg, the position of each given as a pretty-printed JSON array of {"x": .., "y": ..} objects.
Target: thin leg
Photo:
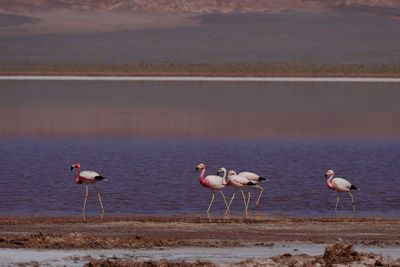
[
  {"x": 84, "y": 203},
  {"x": 230, "y": 202},
  {"x": 248, "y": 201},
  {"x": 337, "y": 200},
  {"x": 223, "y": 196},
  {"x": 101, "y": 204},
  {"x": 352, "y": 200},
  {"x": 212, "y": 199},
  {"x": 258, "y": 200},
  {"x": 244, "y": 199}
]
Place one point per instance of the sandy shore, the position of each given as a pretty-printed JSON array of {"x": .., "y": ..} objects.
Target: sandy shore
[
  {"x": 164, "y": 239},
  {"x": 191, "y": 230}
]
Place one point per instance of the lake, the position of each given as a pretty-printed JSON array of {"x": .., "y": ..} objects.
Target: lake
[{"x": 148, "y": 137}]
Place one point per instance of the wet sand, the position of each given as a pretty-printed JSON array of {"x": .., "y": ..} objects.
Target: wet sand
[
  {"x": 191, "y": 230},
  {"x": 195, "y": 239}
]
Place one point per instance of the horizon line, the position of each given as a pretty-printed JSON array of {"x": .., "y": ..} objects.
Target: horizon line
[{"x": 197, "y": 78}]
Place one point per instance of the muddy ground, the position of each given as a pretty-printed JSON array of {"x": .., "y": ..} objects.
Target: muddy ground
[
  {"x": 339, "y": 254},
  {"x": 130, "y": 232},
  {"x": 190, "y": 230}
]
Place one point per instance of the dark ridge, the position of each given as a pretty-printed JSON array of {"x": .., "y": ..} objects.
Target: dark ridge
[{"x": 7, "y": 20}]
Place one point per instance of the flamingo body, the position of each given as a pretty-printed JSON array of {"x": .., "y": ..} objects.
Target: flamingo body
[
  {"x": 88, "y": 177},
  {"x": 213, "y": 182},
  {"x": 342, "y": 185},
  {"x": 254, "y": 178},
  {"x": 238, "y": 181},
  {"x": 339, "y": 185}
]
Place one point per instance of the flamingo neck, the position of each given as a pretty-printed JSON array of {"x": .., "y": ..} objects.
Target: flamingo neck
[
  {"x": 329, "y": 182},
  {"x": 201, "y": 178},
  {"x": 77, "y": 180},
  {"x": 224, "y": 182}
]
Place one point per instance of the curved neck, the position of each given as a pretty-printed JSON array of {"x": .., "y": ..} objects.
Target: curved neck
[
  {"x": 77, "y": 180},
  {"x": 328, "y": 182},
  {"x": 201, "y": 178},
  {"x": 224, "y": 182}
]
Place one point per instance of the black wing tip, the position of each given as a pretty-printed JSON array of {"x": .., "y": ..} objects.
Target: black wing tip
[
  {"x": 261, "y": 178},
  {"x": 352, "y": 187},
  {"x": 100, "y": 178},
  {"x": 250, "y": 183}
]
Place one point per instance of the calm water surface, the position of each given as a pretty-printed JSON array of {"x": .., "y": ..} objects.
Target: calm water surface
[{"x": 156, "y": 176}]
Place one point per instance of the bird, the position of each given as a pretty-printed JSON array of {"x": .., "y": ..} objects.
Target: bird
[
  {"x": 339, "y": 185},
  {"x": 239, "y": 182},
  {"x": 212, "y": 182},
  {"x": 88, "y": 177},
  {"x": 254, "y": 178}
]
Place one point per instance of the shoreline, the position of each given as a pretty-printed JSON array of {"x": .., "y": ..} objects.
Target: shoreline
[
  {"x": 204, "y": 78},
  {"x": 146, "y": 231},
  {"x": 195, "y": 240}
]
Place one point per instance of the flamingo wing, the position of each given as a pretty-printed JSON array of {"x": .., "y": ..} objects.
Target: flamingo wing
[
  {"x": 341, "y": 184},
  {"x": 239, "y": 181},
  {"x": 250, "y": 176},
  {"x": 214, "y": 182},
  {"x": 88, "y": 175}
]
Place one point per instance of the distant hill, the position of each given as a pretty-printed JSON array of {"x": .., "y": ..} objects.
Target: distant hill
[{"x": 194, "y": 6}]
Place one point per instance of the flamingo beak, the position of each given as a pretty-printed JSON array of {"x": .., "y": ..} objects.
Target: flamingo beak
[
  {"x": 326, "y": 175},
  {"x": 196, "y": 169},
  {"x": 72, "y": 168}
]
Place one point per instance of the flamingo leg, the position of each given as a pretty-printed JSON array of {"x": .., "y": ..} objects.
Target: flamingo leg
[
  {"x": 258, "y": 200},
  {"x": 101, "y": 204},
  {"x": 230, "y": 202},
  {"x": 244, "y": 199},
  {"x": 208, "y": 210},
  {"x": 223, "y": 196},
  {"x": 352, "y": 200},
  {"x": 337, "y": 200},
  {"x": 84, "y": 203},
  {"x": 248, "y": 201}
]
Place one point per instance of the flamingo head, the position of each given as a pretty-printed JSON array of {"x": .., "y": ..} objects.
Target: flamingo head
[
  {"x": 231, "y": 172},
  {"x": 75, "y": 165},
  {"x": 329, "y": 173},
  {"x": 200, "y": 166},
  {"x": 222, "y": 170}
]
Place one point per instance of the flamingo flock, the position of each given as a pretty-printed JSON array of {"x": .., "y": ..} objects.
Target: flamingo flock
[
  {"x": 218, "y": 183},
  {"x": 249, "y": 179}
]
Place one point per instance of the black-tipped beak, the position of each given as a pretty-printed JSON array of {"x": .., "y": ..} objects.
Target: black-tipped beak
[
  {"x": 196, "y": 169},
  {"x": 72, "y": 168},
  {"x": 326, "y": 175},
  {"x": 218, "y": 173}
]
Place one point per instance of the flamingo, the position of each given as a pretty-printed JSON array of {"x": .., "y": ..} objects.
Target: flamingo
[
  {"x": 212, "y": 182},
  {"x": 339, "y": 185},
  {"x": 254, "y": 178},
  {"x": 239, "y": 182},
  {"x": 88, "y": 177}
]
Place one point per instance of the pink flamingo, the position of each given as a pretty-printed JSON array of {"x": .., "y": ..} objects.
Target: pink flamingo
[
  {"x": 239, "y": 182},
  {"x": 212, "y": 182},
  {"x": 254, "y": 178},
  {"x": 339, "y": 185},
  {"x": 88, "y": 177}
]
